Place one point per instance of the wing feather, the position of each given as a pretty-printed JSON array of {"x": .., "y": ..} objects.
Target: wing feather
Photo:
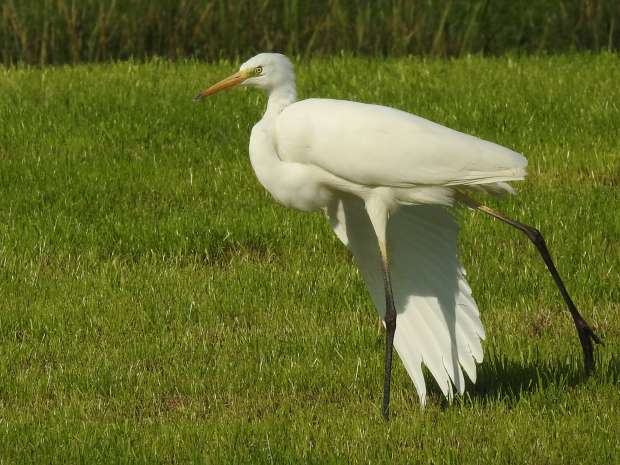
[
  {"x": 377, "y": 145},
  {"x": 438, "y": 323}
]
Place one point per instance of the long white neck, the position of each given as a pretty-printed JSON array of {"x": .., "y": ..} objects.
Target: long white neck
[
  {"x": 279, "y": 98},
  {"x": 263, "y": 156}
]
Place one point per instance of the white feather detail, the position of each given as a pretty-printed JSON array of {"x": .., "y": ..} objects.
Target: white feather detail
[{"x": 438, "y": 323}]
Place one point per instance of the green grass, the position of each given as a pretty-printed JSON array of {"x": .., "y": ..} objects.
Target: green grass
[{"x": 159, "y": 307}]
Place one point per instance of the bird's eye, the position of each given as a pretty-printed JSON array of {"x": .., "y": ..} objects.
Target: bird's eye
[{"x": 258, "y": 70}]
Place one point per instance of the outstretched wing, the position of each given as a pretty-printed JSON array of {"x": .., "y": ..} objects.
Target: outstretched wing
[{"x": 438, "y": 323}]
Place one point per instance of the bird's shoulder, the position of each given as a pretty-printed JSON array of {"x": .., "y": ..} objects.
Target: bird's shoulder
[
  {"x": 332, "y": 111},
  {"x": 355, "y": 121},
  {"x": 306, "y": 123}
]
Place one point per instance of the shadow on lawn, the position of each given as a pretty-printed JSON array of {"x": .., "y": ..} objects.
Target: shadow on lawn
[{"x": 509, "y": 380}]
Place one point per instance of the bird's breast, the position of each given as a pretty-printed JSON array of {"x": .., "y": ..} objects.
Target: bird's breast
[
  {"x": 299, "y": 187},
  {"x": 294, "y": 185}
]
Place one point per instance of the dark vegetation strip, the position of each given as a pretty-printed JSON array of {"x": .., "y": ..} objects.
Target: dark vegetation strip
[{"x": 71, "y": 31}]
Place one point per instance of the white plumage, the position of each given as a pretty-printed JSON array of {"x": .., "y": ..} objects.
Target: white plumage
[
  {"x": 384, "y": 177},
  {"x": 438, "y": 322},
  {"x": 374, "y": 145}
]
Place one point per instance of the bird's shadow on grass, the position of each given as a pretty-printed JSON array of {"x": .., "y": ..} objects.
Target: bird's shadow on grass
[{"x": 507, "y": 380}]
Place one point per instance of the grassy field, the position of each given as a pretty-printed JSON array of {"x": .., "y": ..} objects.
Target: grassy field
[{"x": 159, "y": 307}]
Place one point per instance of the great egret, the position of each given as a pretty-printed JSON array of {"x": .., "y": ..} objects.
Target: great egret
[{"x": 384, "y": 178}]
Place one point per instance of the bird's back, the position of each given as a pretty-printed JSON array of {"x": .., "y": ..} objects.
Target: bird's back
[{"x": 382, "y": 146}]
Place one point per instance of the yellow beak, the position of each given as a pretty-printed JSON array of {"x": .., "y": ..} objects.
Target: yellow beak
[{"x": 230, "y": 81}]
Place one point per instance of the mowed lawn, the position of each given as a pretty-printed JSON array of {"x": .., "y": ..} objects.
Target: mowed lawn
[{"x": 159, "y": 307}]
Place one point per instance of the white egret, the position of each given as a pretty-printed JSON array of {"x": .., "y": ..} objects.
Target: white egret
[{"x": 384, "y": 178}]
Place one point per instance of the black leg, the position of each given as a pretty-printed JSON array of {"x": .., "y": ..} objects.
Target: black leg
[
  {"x": 390, "y": 327},
  {"x": 585, "y": 332}
]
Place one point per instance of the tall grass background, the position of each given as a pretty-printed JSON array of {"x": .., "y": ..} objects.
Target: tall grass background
[{"x": 71, "y": 31}]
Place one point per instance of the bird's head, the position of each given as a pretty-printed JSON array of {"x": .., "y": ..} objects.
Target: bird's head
[{"x": 266, "y": 71}]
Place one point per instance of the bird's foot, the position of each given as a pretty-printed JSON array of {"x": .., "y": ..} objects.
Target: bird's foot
[
  {"x": 385, "y": 412},
  {"x": 586, "y": 336}
]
